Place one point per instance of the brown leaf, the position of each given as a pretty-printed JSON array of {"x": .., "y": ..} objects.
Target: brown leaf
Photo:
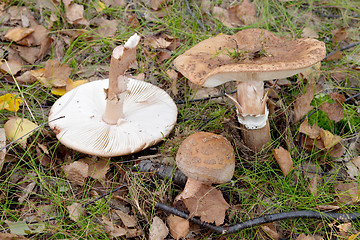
[
  {"x": 56, "y": 73},
  {"x": 334, "y": 110},
  {"x": 17, "y": 34},
  {"x": 335, "y": 56},
  {"x": 270, "y": 230},
  {"x": 106, "y": 28},
  {"x": 11, "y": 236},
  {"x": 339, "y": 35},
  {"x": 284, "y": 160},
  {"x": 244, "y": 12},
  {"x": 11, "y": 67},
  {"x": 76, "y": 172},
  {"x": 74, "y": 13},
  {"x": 208, "y": 203},
  {"x": 308, "y": 32},
  {"x": 329, "y": 139},
  {"x": 127, "y": 220},
  {"x": 112, "y": 229},
  {"x": 2, "y": 145},
  {"x": 76, "y": 211},
  {"x": 178, "y": 227},
  {"x": 155, "y": 4},
  {"x": 158, "y": 229},
  {"x": 29, "y": 54},
  {"x": 222, "y": 15},
  {"x": 302, "y": 103},
  {"x": 348, "y": 192},
  {"x": 97, "y": 168},
  {"x": 156, "y": 42},
  {"x": 309, "y": 237}
]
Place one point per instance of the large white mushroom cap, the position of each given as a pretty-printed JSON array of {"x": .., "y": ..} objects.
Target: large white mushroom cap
[{"x": 149, "y": 115}]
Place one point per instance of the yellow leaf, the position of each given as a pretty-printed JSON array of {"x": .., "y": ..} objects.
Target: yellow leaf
[
  {"x": 58, "y": 91},
  {"x": 18, "y": 127},
  {"x": 71, "y": 84},
  {"x": 10, "y": 102},
  {"x": 39, "y": 74},
  {"x": 99, "y": 6},
  {"x": 329, "y": 139},
  {"x": 354, "y": 236}
]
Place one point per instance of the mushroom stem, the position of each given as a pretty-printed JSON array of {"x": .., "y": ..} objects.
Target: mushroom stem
[
  {"x": 250, "y": 102},
  {"x": 192, "y": 186},
  {"x": 122, "y": 57}
]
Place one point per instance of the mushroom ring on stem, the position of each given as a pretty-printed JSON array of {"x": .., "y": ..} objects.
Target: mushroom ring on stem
[
  {"x": 114, "y": 117},
  {"x": 249, "y": 57}
]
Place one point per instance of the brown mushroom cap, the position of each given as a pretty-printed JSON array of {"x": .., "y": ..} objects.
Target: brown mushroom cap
[
  {"x": 206, "y": 157},
  {"x": 249, "y": 55}
]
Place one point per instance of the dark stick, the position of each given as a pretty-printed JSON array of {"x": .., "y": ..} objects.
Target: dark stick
[
  {"x": 192, "y": 15},
  {"x": 341, "y": 217},
  {"x": 342, "y": 49}
]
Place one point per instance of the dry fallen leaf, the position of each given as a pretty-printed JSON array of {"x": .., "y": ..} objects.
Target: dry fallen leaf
[
  {"x": 178, "y": 227},
  {"x": 270, "y": 231},
  {"x": 18, "y": 127},
  {"x": 106, "y": 28},
  {"x": 348, "y": 192},
  {"x": 302, "y": 103},
  {"x": 76, "y": 211},
  {"x": 329, "y": 139},
  {"x": 207, "y": 203},
  {"x": 309, "y": 237},
  {"x": 245, "y": 12},
  {"x": 17, "y": 34},
  {"x": 284, "y": 160},
  {"x": 339, "y": 35},
  {"x": 308, "y": 32},
  {"x": 112, "y": 229},
  {"x": 77, "y": 172},
  {"x": 128, "y": 220},
  {"x": 11, "y": 66},
  {"x": 2, "y": 145},
  {"x": 155, "y": 4},
  {"x": 11, "y": 236},
  {"x": 222, "y": 15},
  {"x": 158, "y": 229},
  {"x": 334, "y": 110},
  {"x": 10, "y": 102},
  {"x": 56, "y": 73},
  {"x": 74, "y": 13}
]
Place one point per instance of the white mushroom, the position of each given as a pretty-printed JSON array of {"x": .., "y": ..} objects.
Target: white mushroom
[{"x": 126, "y": 118}]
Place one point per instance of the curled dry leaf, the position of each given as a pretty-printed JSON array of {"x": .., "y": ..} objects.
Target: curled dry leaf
[
  {"x": 19, "y": 127},
  {"x": 207, "y": 203},
  {"x": 158, "y": 229},
  {"x": 10, "y": 102},
  {"x": 302, "y": 103},
  {"x": 76, "y": 211},
  {"x": 284, "y": 160},
  {"x": 339, "y": 35},
  {"x": 178, "y": 227},
  {"x": 322, "y": 139}
]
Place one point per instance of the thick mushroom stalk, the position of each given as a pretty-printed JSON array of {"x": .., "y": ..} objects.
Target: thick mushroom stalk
[
  {"x": 252, "y": 113},
  {"x": 121, "y": 58}
]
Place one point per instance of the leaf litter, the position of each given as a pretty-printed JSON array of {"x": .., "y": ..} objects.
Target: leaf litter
[{"x": 33, "y": 43}]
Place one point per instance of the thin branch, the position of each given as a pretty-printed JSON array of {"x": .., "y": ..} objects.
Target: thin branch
[
  {"x": 341, "y": 217},
  {"x": 192, "y": 15},
  {"x": 342, "y": 49}
]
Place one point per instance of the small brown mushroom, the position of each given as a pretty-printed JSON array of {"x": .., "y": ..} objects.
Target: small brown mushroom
[
  {"x": 206, "y": 159},
  {"x": 249, "y": 57}
]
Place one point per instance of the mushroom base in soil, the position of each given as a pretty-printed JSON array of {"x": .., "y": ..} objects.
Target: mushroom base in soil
[
  {"x": 114, "y": 117},
  {"x": 206, "y": 159},
  {"x": 250, "y": 56}
]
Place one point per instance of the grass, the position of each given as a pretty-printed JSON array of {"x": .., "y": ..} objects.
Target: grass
[{"x": 258, "y": 186}]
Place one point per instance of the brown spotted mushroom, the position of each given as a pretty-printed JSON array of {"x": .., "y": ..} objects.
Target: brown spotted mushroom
[{"x": 249, "y": 57}]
